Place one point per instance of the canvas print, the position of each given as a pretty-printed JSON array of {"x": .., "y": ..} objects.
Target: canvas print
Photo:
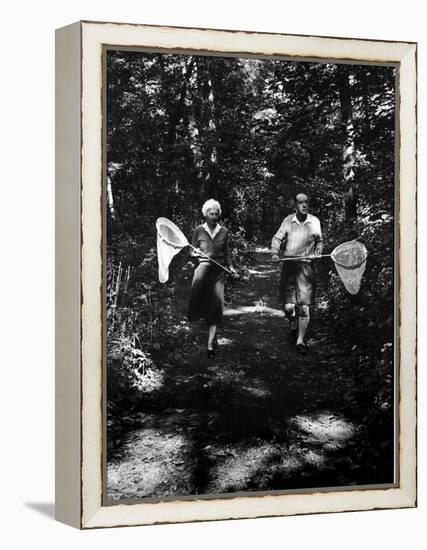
[{"x": 250, "y": 254}]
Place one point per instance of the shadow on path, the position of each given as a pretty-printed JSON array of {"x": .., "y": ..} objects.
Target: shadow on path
[{"x": 259, "y": 417}]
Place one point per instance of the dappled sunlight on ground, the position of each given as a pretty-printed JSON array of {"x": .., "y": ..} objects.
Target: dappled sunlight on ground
[
  {"x": 298, "y": 457},
  {"x": 152, "y": 462},
  {"x": 224, "y": 341},
  {"x": 226, "y": 376},
  {"x": 238, "y": 379},
  {"x": 238, "y": 467},
  {"x": 311, "y": 444},
  {"x": 327, "y": 429},
  {"x": 262, "y": 273},
  {"x": 257, "y": 390},
  {"x": 257, "y": 417},
  {"x": 261, "y": 309}
]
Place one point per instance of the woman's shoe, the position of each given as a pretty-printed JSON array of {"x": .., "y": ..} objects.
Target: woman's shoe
[{"x": 210, "y": 353}]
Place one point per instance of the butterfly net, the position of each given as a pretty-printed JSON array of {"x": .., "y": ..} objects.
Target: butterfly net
[
  {"x": 350, "y": 262},
  {"x": 170, "y": 241}
]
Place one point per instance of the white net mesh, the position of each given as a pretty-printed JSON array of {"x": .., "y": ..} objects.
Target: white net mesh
[
  {"x": 170, "y": 241},
  {"x": 350, "y": 262}
]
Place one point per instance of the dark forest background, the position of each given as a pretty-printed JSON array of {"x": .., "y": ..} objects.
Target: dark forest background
[{"x": 249, "y": 133}]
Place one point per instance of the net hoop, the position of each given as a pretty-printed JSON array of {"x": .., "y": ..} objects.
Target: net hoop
[
  {"x": 355, "y": 245},
  {"x": 350, "y": 262},
  {"x": 164, "y": 222}
]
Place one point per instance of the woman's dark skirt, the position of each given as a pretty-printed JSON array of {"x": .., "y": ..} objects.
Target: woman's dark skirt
[{"x": 207, "y": 294}]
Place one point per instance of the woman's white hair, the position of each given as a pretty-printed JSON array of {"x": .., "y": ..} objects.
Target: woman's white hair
[{"x": 211, "y": 203}]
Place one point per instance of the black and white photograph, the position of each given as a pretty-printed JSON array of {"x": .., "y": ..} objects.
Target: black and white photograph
[
  {"x": 250, "y": 281},
  {"x": 213, "y": 281}
]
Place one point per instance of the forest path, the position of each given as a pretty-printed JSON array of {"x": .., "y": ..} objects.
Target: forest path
[{"x": 258, "y": 417}]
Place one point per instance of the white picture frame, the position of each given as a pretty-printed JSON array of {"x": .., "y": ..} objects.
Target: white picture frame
[{"x": 79, "y": 273}]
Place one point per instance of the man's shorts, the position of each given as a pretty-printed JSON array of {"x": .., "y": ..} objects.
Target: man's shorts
[{"x": 297, "y": 283}]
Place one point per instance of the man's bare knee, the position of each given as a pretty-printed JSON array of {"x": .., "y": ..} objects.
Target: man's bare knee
[
  {"x": 303, "y": 312},
  {"x": 289, "y": 310}
]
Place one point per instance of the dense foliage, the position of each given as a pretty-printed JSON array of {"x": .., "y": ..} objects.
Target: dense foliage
[{"x": 250, "y": 133}]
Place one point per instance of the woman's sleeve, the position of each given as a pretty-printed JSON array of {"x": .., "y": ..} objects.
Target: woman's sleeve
[{"x": 227, "y": 255}]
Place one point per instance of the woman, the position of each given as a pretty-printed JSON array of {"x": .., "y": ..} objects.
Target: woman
[{"x": 207, "y": 289}]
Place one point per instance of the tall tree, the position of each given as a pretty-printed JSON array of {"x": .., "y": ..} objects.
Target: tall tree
[{"x": 350, "y": 200}]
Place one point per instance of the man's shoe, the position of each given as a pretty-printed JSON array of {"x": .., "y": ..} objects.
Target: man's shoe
[
  {"x": 210, "y": 353},
  {"x": 302, "y": 349},
  {"x": 293, "y": 334}
]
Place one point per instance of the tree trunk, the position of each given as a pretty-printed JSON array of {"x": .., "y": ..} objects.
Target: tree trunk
[
  {"x": 176, "y": 113},
  {"x": 110, "y": 200},
  {"x": 193, "y": 128},
  {"x": 350, "y": 200},
  {"x": 210, "y": 183}
]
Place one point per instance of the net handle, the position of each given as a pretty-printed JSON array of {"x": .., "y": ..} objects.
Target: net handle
[
  {"x": 290, "y": 258},
  {"x": 331, "y": 255},
  {"x": 296, "y": 258},
  {"x": 209, "y": 258}
]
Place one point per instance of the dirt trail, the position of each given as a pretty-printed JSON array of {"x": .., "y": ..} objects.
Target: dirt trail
[{"x": 258, "y": 417}]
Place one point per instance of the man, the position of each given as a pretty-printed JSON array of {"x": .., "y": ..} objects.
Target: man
[{"x": 301, "y": 235}]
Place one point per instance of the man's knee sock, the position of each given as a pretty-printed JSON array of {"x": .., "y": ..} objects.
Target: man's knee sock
[{"x": 303, "y": 320}]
